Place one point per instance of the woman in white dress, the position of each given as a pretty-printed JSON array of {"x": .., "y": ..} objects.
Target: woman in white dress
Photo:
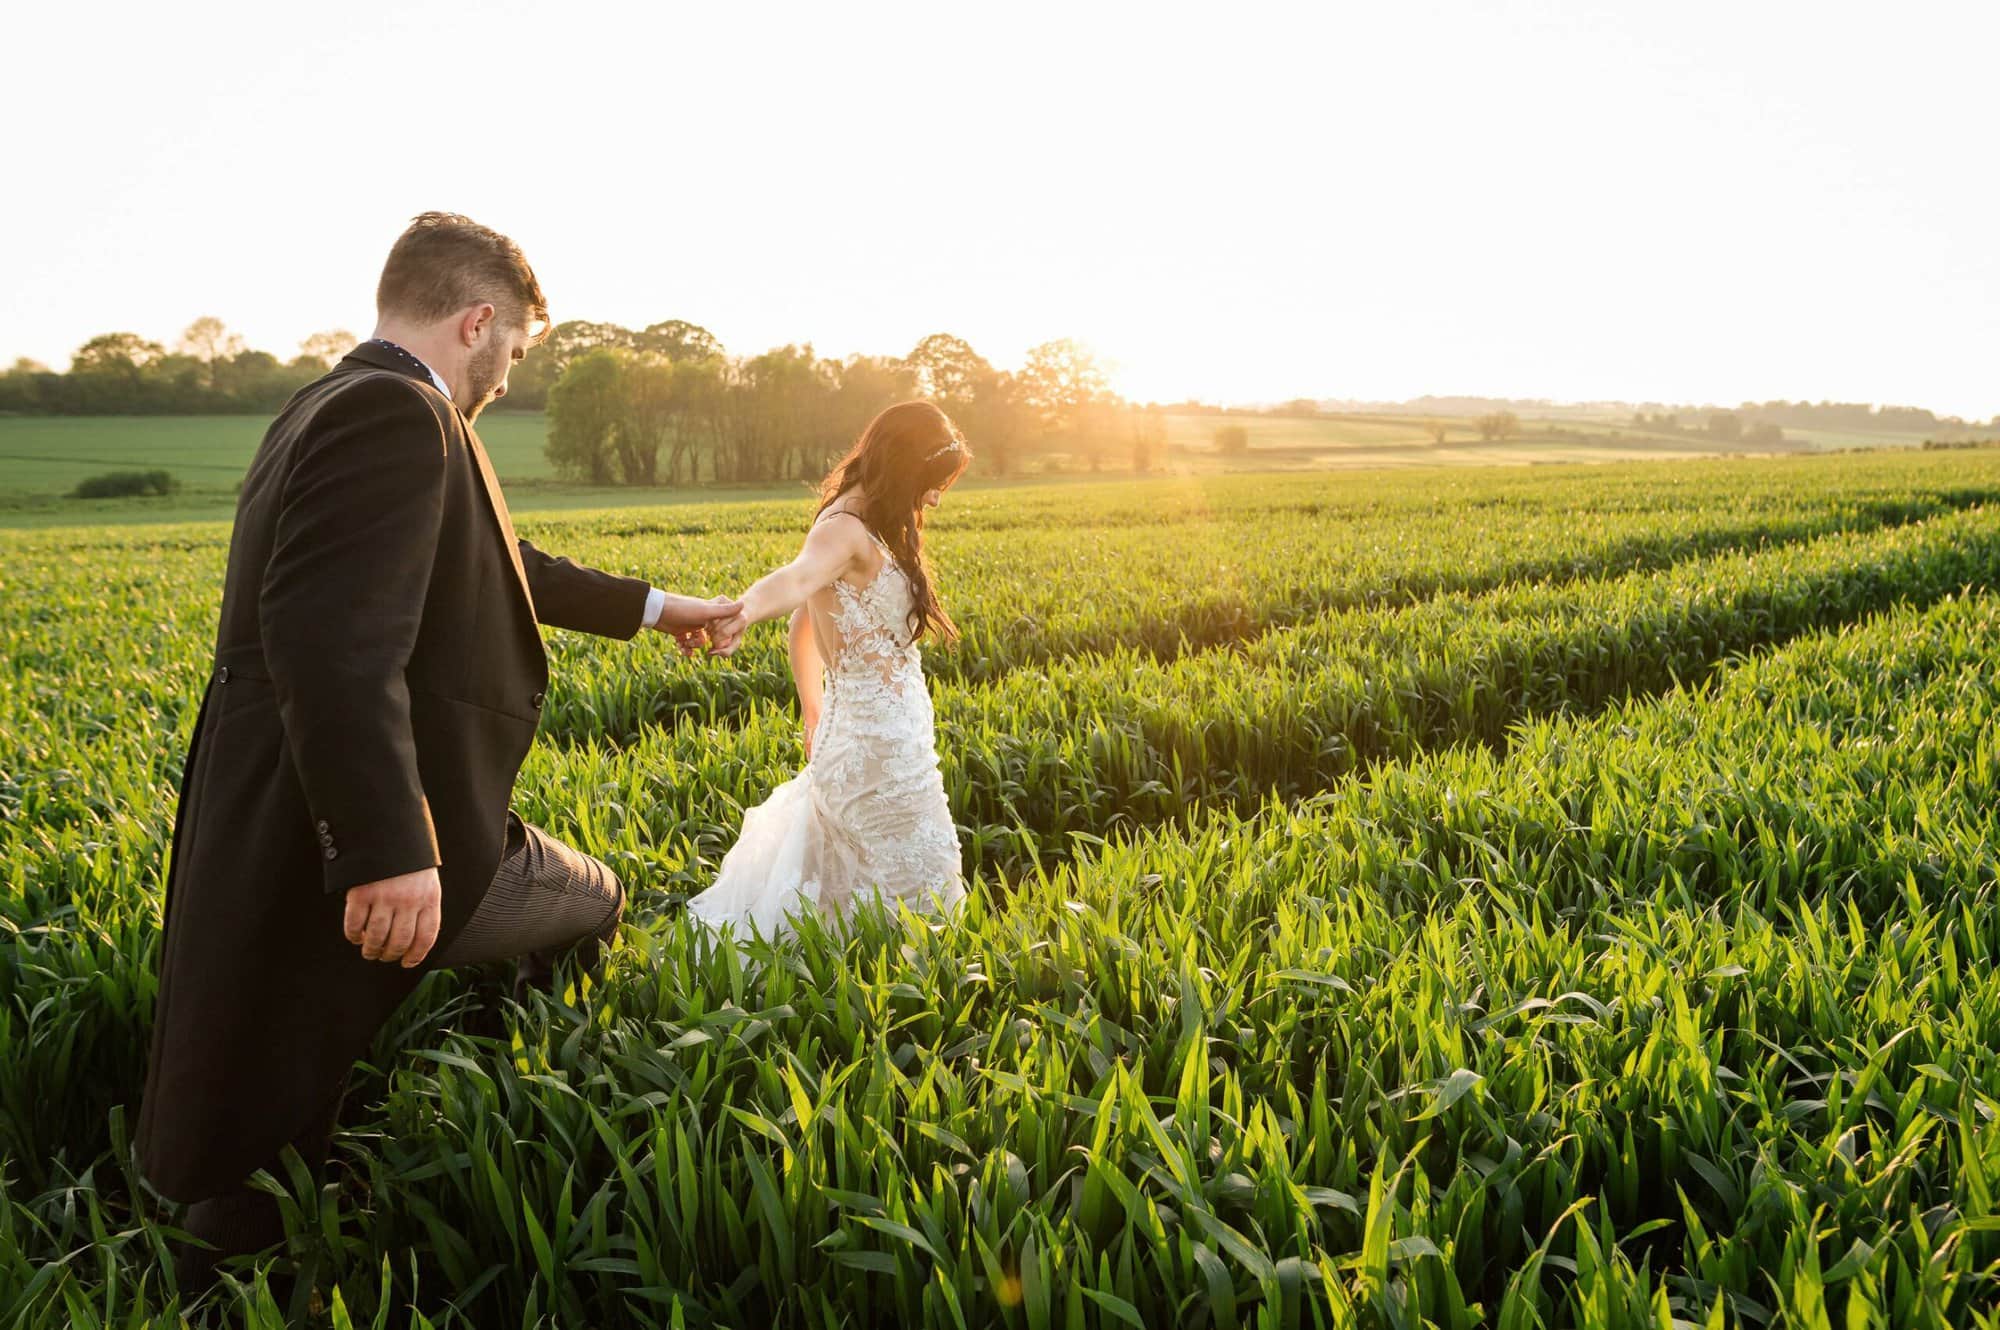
[{"x": 867, "y": 817}]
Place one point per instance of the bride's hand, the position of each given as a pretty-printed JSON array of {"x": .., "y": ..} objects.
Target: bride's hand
[
  {"x": 725, "y": 634},
  {"x": 811, "y": 722}
]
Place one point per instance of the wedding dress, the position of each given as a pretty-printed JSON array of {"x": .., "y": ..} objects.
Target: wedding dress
[{"x": 867, "y": 817}]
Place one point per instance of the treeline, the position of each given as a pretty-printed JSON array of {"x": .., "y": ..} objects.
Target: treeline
[
  {"x": 209, "y": 371},
  {"x": 1848, "y": 416},
  {"x": 1863, "y": 416},
  {"x": 1725, "y": 426},
  {"x": 667, "y": 405}
]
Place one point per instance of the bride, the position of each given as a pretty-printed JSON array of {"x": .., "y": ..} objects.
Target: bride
[{"x": 867, "y": 817}]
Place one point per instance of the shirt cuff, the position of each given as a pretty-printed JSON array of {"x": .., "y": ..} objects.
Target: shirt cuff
[{"x": 656, "y": 601}]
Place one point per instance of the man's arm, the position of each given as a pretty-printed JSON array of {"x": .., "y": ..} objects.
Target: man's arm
[
  {"x": 586, "y": 600},
  {"x": 569, "y": 595},
  {"x": 340, "y": 606}
]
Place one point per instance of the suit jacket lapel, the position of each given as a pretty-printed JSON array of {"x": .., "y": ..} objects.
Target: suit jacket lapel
[
  {"x": 497, "y": 505},
  {"x": 379, "y": 357}
]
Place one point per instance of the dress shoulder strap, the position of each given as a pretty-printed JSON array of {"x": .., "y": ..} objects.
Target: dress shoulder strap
[{"x": 879, "y": 542}]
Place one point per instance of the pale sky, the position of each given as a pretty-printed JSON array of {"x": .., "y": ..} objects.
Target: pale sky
[{"x": 1686, "y": 202}]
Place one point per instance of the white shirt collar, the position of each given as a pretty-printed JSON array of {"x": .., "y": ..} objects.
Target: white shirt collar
[{"x": 436, "y": 377}]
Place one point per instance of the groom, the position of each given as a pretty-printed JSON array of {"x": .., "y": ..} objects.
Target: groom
[{"x": 378, "y": 675}]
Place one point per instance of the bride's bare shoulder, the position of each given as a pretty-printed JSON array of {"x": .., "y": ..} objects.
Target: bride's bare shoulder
[
  {"x": 860, "y": 554},
  {"x": 847, "y": 541},
  {"x": 828, "y": 529}
]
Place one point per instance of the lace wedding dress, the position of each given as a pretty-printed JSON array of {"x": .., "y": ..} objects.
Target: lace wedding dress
[{"x": 867, "y": 818}]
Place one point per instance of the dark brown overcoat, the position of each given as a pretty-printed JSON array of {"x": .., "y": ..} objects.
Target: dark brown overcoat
[{"x": 377, "y": 680}]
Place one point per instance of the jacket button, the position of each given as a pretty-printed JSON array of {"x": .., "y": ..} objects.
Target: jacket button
[
  {"x": 538, "y": 699},
  {"x": 332, "y": 853},
  {"x": 323, "y": 828},
  {"x": 325, "y": 839},
  {"x": 222, "y": 675}
]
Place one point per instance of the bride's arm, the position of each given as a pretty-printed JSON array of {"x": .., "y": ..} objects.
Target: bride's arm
[
  {"x": 830, "y": 551},
  {"x": 806, "y": 672}
]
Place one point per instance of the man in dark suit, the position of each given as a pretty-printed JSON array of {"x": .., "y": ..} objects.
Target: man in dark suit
[{"x": 378, "y": 675}]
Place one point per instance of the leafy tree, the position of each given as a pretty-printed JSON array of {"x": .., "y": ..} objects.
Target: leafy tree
[
  {"x": 772, "y": 421},
  {"x": 644, "y": 415},
  {"x": 1148, "y": 428},
  {"x": 121, "y": 353},
  {"x": 209, "y": 340},
  {"x": 1232, "y": 440},
  {"x": 996, "y": 419},
  {"x": 529, "y": 383},
  {"x": 862, "y": 386},
  {"x": 21, "y": 387},
  {"x": 990, "y": 406},
  {"x": 678, "y": 341},
  {"x": 577, "y": 337},
  {"x": 699, "y": 386},
  {"x": 254, "y": 380},
  {"x": 329, "y": 346},
  {"x": 947, "y": 369},
  {"x": 584, "y": 410},
  {"x": 665, "y": 403},
  {"x": 181, "y": 382},
  {"x": 1498, "y": 425},
  {"x": 1098, "y": 429},
  {"x": 1063, "y": 380},
  {"x": 111, "y": 374}
]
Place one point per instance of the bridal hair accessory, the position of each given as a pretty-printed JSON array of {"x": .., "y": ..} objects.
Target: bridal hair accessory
[{"x": 951, "y": 447}]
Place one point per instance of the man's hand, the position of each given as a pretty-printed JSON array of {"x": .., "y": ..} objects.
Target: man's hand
[
  {"x": 397, "y": 918},
  {"x": 692, "y": 623},
  {"x": 810, "y": 721}
]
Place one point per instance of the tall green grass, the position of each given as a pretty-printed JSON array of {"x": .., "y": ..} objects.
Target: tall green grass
[{"x": 1550, "y": 900}]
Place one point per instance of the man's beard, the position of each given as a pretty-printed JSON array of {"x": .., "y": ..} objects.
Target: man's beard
[{"x": 483, "y": 373}]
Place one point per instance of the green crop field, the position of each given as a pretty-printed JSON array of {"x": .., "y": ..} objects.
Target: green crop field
[{"x": 1553, "y": 897}]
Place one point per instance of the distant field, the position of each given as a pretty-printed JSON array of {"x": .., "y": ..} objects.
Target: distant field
[
  {"x": 50, "y": 454},
  {"x": 1268, "y": 433},
  {"x": 43, "y": 458},
  {"x": 1384, "y": 440},
  {"x": 1797, "y": 439}
]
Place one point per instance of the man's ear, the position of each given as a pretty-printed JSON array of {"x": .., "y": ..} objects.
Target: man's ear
[{"x": 476, "y": 323}]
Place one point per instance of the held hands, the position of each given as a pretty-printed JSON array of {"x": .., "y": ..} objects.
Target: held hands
[
  {"x": 725, "y": 635},
  {"x": 397, "y": 918},
  {"x": 717, "y": 624}
]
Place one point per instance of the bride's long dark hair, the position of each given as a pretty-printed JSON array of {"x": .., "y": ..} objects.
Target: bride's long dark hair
[{"x": 908, "y": 450}]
